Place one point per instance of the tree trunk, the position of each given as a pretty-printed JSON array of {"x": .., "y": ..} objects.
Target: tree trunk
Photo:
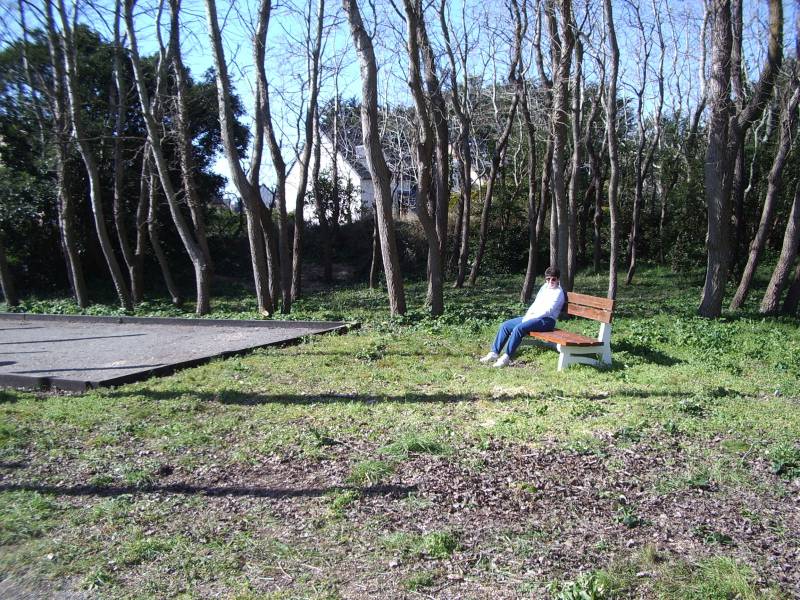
[
  {"x": 561, "y": 51},
  {"x": 297, "y": 250},
  {"x": 726, "y": 129},
  {"x": 452, "y": 264},
  {"x": 185, "y": 148},
  {"x": 375, "y": 158},
  {"x": 789, "y": 249},
  {"x": 155, "y": 242},
  {"x": 793, "y": 296},
  {"x": 497, "y": 157},
  {"x": 638, "y": 190},
  {"x": 374, "y": 266},
  {"x": 597, "y": 224},
  {"x": 278, "y": 162},
  {"x": 613, "y": 146},
  {"x": 320, "y": 205},
  {"x": 545, "y": 199},
  {"x": 66, "y": 227},
  {"x": 424, "y": 151},
  {"x": 788, "y": 123},
  {"x": 737, "y": 203},
  {"x": 530, "y": 272},
  {"x": 577, "y": 161},
  {"x": 463, "y": 153},
  {"x": 6, "y": 281},
  {"x": 553, "y": 231},
  {"x": 119, "y": 107},
  {"x": 61, "y": 130},
  {"x": 142, "y": 210},
  {"x": 193, "y": 249},
  {"x": 438, "y": 115},
  {"x": 270, "y": 237}
]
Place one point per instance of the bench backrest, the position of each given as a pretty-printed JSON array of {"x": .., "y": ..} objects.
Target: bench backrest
[{"x": 590, "y": 307}]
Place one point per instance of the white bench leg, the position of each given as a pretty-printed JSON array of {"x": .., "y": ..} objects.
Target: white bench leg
[
  {"x": 606, "y": 357},
  {"x": 563, "y": 360},
  {"x": 605, "y": 337}
]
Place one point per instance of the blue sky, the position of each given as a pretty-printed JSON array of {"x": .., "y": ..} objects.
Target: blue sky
[{"x": 486, "y": 22}]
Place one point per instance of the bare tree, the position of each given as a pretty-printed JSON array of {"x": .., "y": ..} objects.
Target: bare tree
[
  {"x": 119, "y": 107},
  {"x": 781, "y": 273},
  {"x": 247, "y": 186},
  {"x": 438, "y": 114},
  {"x": 774, "y": 180},
  {"x": 499, "y": 150},
  {"x": 55, "y": 93},
  {"x": 375, "y": 158},
  {"x": 184, "y": 138},
  {"x": 463, "y": 151},
  {"x": 278, "y": 162},
  {"x": 311, "y": 110},
  {"x": 576, "y": 115},
  {"x": 87, "y": 152},
  {"x": 193, "y": 249},
  {"x": 791, "y": 237},
  {"x": 545, "y": 187},
  {"x": 561, "y": 43},
  {"x": 424, "y": 151},
  {"x": 727, "y": 127},
  {"x": 645, "y": 150}
]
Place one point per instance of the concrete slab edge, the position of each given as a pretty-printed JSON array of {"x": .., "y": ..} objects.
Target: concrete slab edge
[
  {"x": 74, "y": 385},
  {"x": 123, "y": 320}
]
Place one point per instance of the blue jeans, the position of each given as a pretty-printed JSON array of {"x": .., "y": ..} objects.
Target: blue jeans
[{"x": 514, "y": 330}]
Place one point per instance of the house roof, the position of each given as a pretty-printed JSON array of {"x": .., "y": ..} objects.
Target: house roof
[{"x": 348, "y": 151}]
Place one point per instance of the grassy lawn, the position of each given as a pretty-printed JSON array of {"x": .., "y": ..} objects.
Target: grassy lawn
[{"x": 389, "y": 463}]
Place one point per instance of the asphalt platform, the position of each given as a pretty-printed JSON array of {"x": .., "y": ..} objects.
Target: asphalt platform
[{"x": 77, "y": 353}]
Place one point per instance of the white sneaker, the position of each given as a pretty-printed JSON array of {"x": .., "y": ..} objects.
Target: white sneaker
[
  {"x": 503, "y": 361},
  {"x": 491, "y": 357}
]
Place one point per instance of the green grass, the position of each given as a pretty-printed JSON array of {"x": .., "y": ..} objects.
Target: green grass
[{"x": 304, "y": 471}]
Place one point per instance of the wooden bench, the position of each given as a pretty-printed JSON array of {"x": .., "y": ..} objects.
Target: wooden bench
[{"x": 574, "y": 348}]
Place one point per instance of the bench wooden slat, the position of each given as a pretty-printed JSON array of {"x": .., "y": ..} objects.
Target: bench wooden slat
[
  {"x": 588, "y": 312},
  {"x": 593, "y": 301},
  {"x": 566, "y": 338}
]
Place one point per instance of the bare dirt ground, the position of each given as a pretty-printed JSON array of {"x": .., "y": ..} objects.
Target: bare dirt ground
[{"x": 519, "y": 515}]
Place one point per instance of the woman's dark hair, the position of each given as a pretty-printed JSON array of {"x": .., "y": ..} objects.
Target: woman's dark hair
[{"x": 553, "y": 272}]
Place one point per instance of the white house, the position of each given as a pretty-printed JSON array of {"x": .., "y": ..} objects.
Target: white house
[{"x": 352, "y": 168}]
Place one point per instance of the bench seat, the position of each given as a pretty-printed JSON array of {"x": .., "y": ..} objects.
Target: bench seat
[
  {"x": 565, "y": 338},
  {"x": 574, "y": 348}
]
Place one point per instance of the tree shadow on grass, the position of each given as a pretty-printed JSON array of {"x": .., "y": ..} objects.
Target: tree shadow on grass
[
  {"x": 394, "y": 491},
  {"x": 648, "y": 354},
  {"x": 240, "y": 398}
]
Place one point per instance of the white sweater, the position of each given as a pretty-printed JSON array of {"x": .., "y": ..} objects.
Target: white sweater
[{"x": 548, "y": 303}]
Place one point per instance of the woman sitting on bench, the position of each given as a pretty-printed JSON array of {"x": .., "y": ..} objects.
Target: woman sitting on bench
[{"x": 541, "y": 316}]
